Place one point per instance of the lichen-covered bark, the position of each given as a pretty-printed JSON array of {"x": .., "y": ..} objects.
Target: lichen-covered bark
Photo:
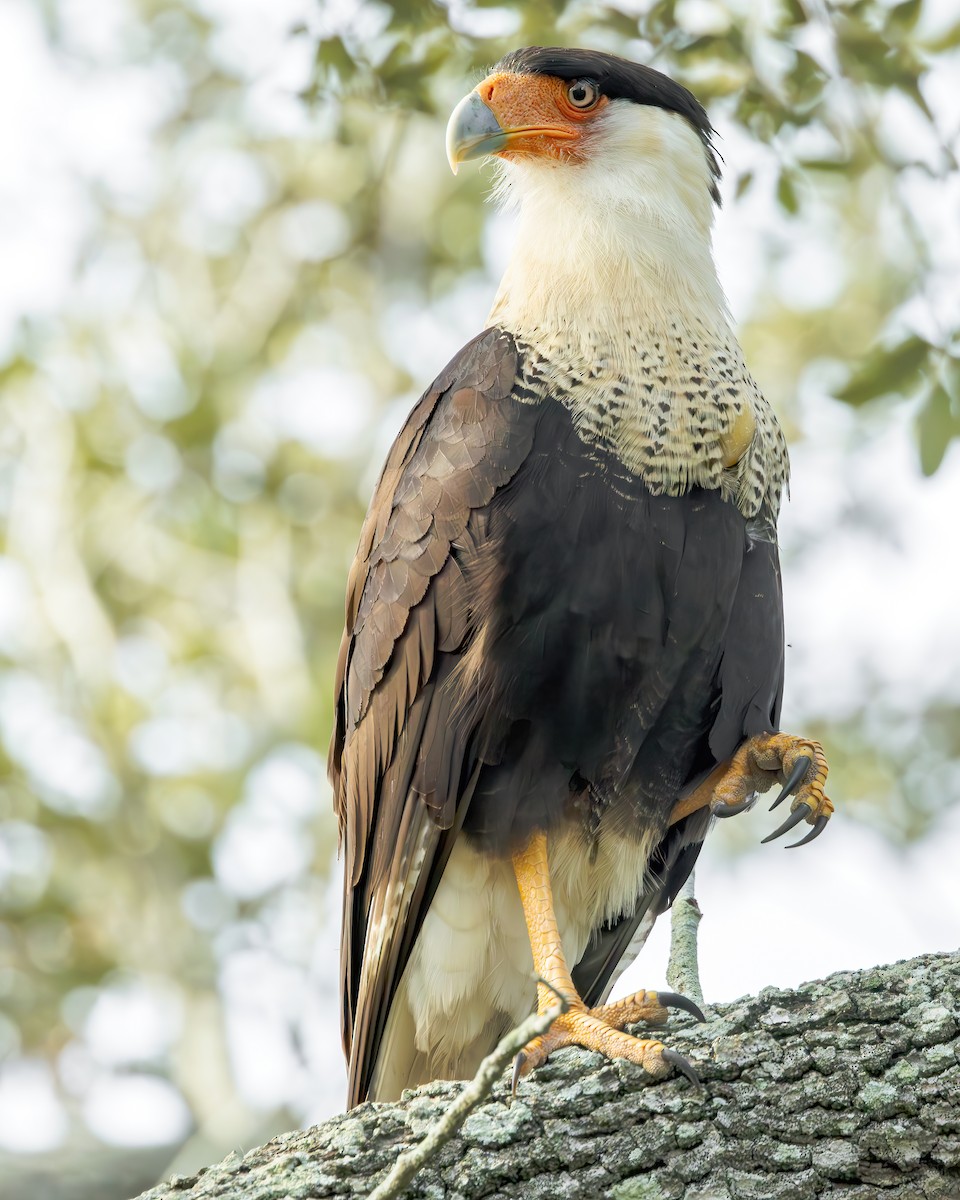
[{"x": 849, "y": 1087}]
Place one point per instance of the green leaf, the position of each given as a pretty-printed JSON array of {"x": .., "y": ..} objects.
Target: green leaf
[
  {"x": 621, "y": 23},
  {"x": 332, "y": 55},
  {"x": 743, "y": 183},
  {"x": 806, "y": 81},
  {"x": 937, "y": 425},
  {"x": 905, "y": 15},
  {"x": 948, "y": 40},
  {"x": 951, "y": 379},
  {"x": 826, "y": 164},
  {"x": 787, "y": 194},
  {"x": 793, "y": 13},
  {"x": 887, "y": 371}
]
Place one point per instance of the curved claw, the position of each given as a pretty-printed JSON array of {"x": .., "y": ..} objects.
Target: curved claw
[
  {"x": 733, "y": 810},
  {"x": 800, "y": 768},
  {"x": 677, "y": 1060},
  {"x": 819, "y": 826},
  {"x": 675, "y": 1000},
  {"x": 800, "y": 813}
]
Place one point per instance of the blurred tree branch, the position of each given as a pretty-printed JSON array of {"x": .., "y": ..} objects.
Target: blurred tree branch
[{"x": 847, "y": 1087}]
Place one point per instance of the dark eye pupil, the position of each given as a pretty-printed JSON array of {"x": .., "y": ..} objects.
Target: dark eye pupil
[{"x": 582, "y": 93}]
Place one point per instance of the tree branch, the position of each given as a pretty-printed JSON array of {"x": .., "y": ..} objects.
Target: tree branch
[
  {"x": 846, "y": 1087},
  {"x": 683, "y": 972}
]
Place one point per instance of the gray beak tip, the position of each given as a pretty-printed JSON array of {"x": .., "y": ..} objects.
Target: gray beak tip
[{"x": 472, "y": 131}]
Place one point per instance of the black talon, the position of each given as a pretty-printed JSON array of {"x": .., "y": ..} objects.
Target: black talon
[
  {"x": 675, "y": 1000},
  {"x": 800, "y": 768},
  {"x": 800, "y": 813},
  {"x": 671, "y": 1056},
  {"x": 517, "y": 1071},
  {"x": 733, "y": 810},
  {"x": 819, "y": 826}
]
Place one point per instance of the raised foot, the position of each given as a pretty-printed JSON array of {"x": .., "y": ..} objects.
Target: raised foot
[
  {"x": 798, "y": 764},
  {"x": 601, "y": 1029}
]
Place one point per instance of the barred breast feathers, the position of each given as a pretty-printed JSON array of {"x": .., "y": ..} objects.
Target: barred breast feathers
[{"x": 677, "y": 407}]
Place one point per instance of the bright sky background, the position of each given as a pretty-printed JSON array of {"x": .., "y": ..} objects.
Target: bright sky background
[{"x": 850, "y": 900}]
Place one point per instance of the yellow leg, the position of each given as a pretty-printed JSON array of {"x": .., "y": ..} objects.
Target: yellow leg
[
  {"x": 799, "y": 764},
  {"x": 596, "y": 1029}
]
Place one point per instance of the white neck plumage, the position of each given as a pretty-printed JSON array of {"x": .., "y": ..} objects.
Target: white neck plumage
[{"x": 619, "y": 241}]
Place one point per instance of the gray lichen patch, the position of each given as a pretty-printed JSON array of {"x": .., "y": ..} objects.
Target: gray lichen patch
[
  {"x": 883, "y": 1099},
  {"x": 835, "y": 1158},
  {"x": 639, "y": 1187}
]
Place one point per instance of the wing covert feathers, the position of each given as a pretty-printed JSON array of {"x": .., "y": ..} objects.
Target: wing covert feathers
[
  {"x": 450, "y": 457},
  {"x": 398, "y": 761}
]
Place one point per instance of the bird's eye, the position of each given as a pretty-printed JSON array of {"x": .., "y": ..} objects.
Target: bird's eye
[{"x": 583, "y": 93}]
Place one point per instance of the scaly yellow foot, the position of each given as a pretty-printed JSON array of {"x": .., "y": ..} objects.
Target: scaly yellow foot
[
  {"x": 598, "y": 1028},
  {"x": 799, "y": 764}
]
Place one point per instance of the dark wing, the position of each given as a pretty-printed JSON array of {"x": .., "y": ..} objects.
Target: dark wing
[
  {"x": 401, "y": 768},
  {"x": 750, "y": 691}
]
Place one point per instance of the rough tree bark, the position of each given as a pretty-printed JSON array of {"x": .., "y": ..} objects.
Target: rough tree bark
[{"x": 848, "y": 1087}]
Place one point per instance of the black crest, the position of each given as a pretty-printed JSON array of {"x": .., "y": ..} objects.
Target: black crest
[{"x": 618, "y": 79}]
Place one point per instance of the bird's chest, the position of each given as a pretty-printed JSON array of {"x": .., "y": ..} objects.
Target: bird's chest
[
  {"x": 593, "y": 673},
  {"x": 675, "y": 407},
  {"x": 598, "y": 579}
]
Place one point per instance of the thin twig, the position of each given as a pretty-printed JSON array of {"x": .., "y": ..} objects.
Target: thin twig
[
  {"x": 683, "y": 973},
  {"x": 477, "y": 1090}
]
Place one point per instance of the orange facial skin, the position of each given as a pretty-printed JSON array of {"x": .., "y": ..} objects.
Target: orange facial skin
[{"x": 537, "y": 116}]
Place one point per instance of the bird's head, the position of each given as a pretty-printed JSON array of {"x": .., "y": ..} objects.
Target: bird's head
[
  {"x": 611, "y": 166},
  {"x": 547, "y": 108}
]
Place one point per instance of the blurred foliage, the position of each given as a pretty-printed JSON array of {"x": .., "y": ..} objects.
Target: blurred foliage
[{"x": 268, "y": 262}]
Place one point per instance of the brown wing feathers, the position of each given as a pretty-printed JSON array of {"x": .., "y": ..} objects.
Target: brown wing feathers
[
  {"x": 405, "y": 541},
  {"x": 398, "y": 763}
]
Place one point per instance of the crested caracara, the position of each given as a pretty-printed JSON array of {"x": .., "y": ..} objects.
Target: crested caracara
[{"x": 563, "y": 652}]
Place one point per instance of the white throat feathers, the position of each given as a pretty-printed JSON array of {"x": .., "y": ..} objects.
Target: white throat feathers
[{"x": 624, "y": 233}]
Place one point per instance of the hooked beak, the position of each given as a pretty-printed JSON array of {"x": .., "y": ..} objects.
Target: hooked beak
[
  {"x": 473, "y": 131},
  {"x": 511, "y": 114}
]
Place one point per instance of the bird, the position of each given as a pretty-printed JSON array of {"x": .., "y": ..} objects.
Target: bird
[{"x": 563, "y": 650}]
